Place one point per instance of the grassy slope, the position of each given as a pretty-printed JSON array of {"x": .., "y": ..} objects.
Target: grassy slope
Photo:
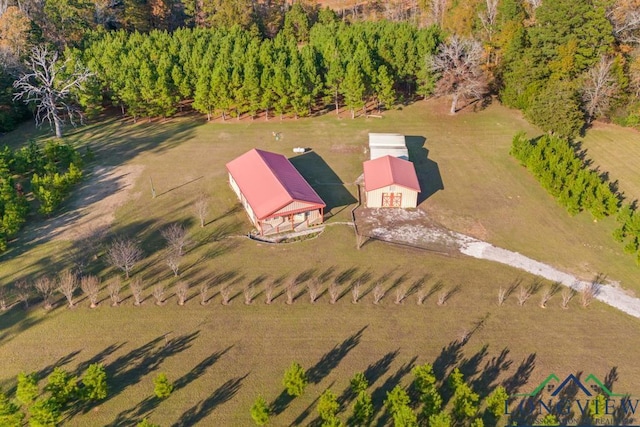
[
  {"x": 485, "y": 193},
  {"x": 616, "y": 150}
]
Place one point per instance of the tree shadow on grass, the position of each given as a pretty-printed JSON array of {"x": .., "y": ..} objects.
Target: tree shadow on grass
[
  {"x": 483, "y": 384},
  {"x": 379, "y": 394},
  {"x": 132, "y": 367},
  {"x": 427, "y": 170},
  {"x": 281, "y": 403},
  {"x": 373, "y": 372},
  {"x": 521, "y": 376},
  {"x": 307, "y": 412},
  {"x": 98, "y": 358},
  {"x": 16, "y": 320},
  {"x": 199, "y": 369},
  {"x": 132, "y": 416},
  {"x": 202, "y": 409},
  {"x": 330, "y": 360},
  {"x": 449, "y": 357}
]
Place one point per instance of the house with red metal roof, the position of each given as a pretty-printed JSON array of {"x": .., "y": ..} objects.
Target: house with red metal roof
[
  {"x": 274, "y": 194},
  {"x": 390, "y": 182}
]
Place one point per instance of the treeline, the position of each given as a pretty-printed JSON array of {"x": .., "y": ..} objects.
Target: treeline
[
  {"x": 47, "y": 171},
  {"x": 561, "y": 170},
  {"x": 564, "y": 63},
  {"x": 429, "y": 400},
  {"x": 235, "y": 72}
]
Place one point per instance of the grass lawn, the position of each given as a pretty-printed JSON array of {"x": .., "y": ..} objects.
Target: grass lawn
[
  {"x": 616, "y": 150},
  {"x": 222, "y": 357}
]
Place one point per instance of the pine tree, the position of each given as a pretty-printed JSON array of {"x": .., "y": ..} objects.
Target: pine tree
[
  {"x": 27, "y": 389},
  {"x": 353, "y": 88},
  {"x": 94, "y": 383},
  {"x": 10, "y": 414},
  {"x": 260, "y": 411},
  {"x": 162, "y": 387},
  {"x": 295, "y": 380},
  {"x": 62, "y": 386},
  {"x": 328, "y": 405},
  {"x": 385, "y": 93},
  {"x": 496, "y": 401}
]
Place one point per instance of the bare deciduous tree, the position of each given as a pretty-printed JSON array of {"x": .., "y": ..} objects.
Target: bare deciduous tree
[
  {"x": 458, "y": 65},
  {"x": 313, "y": 286},
  {"x": 249, "y": 292},
  {"x": 534, "y": 4},
  {"x": 378, "y": 293},
  {"x": 204, "y": 293},
  {"x": 67, "y": 285},
  {"x": 356, "y": 291},
  {"x": 624, "y": 16},
  {"x": 114, "y": 287},
  {"x": 50, "y": 85},
  {"x": 3, "y": 298},
  {"x": 269, "y": 290},
  {"x": 45, "y": 287},
  {"x": 438, "y": 9},
  {"x": 523, "y": 295},
  {"x": 124, "y": 254},
  {"x": 546, "y": 296},
  {"x": 401, "y": 294},
  {"x": 182, "y": 290},
  {"x": 173, "y": 259},
  {"x": 136, "y": 287},
  {"x": 225, "y": 293},
  {"x": 588, "y": 292},
  {"x": 567, "y": 295},
  {"x": 23, "y": 292},
  {"x": 90, "y": 286},
  {"x": 443, "y": 296},
  {"x": 201, "y": 208},
  {"x": 488, "y": 17},
  {"x": 421, "y": 295},
  {"x": 290, "y": 291},
  {"x": 158, "y": 293},
  {"x": 87, "y": 248},
  {"x": 177, "y": 238},
  {"x": 502, "y": 295},
  {"x": 334, "y": 292},
  {"x": 599, "y": 88}
]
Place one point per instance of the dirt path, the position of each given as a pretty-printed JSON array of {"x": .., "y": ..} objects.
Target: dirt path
[
  {"x": 415, "y": 228},
  {"x": 93, "y": 205},
  {"x": 609, "y": 293}
]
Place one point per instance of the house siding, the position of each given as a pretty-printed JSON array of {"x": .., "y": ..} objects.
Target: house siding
[{"x": 409, "y": 197}]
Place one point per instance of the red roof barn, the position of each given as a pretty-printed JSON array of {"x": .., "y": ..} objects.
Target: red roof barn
[
  {"x": 274, "y": 194},
  {"x": 390, "y": 182}
]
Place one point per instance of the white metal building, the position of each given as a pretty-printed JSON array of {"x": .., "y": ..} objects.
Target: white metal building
[{"x": 387, "y": 144}]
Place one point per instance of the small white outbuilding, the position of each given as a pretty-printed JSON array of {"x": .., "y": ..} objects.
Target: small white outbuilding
[{"x": 387, "y": 144}]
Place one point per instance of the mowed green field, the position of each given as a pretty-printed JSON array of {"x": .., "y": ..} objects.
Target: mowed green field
[{"x": 222, "y": 357}]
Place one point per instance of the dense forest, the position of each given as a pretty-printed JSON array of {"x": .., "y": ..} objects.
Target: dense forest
[{"x": 564, "y": 63}]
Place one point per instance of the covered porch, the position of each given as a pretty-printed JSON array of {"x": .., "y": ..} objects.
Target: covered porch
[{"x": 290, "y": 222}]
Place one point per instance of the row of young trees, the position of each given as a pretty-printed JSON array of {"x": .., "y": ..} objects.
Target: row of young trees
[
  {"x": 426, "y": 402},
  {"x": 235, "y": 72},
  {"x": 562, "y": 171},
  {"x": 63, "y": 394},
  {"x": 47, "y": 171}
]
